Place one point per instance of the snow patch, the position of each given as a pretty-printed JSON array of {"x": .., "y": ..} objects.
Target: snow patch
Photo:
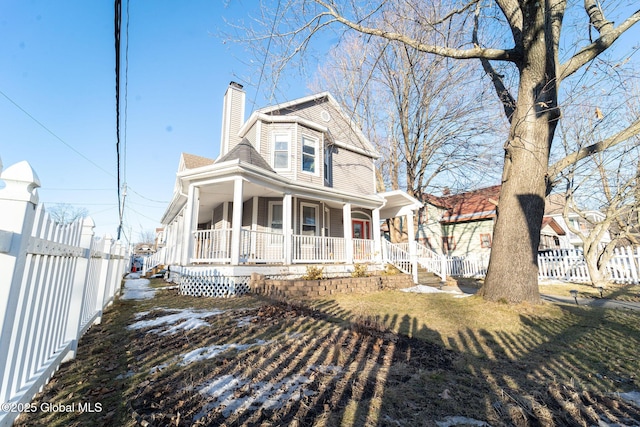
[
  {"x": 178, "y": 320},
  {"x": 204, "y": 353},
  {"x": 230, "y": 393},
  {"x": 137, "y": 289},
  {"x": 457, "y": 421},
  {"x": 246, "y": 321},
  {"x": 423, "y": 289},
  {"x": 632, "y": 397}
]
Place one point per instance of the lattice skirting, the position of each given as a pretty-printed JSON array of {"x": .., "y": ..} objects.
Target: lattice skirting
[{"x": 204, "y": 284}]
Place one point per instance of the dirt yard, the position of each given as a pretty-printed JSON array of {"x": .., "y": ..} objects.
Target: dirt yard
[{"x": 170, "y": 360}]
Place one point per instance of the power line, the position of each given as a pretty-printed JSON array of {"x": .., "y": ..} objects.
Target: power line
[
  {"x": 54, "y": 135},
  {"x": 266, "y": 54},
  {"x": 117, "y": 29}
]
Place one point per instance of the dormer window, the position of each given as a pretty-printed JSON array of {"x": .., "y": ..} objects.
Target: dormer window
[
  {"x": 309, "y": 154},
  {"x": 281, "y": 144}
]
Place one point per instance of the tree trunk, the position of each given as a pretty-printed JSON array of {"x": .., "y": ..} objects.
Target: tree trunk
[
  {"x": 512, "y": 275},
  {"x": 597, "y": 271}
]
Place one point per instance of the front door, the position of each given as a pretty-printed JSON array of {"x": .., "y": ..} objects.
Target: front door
[{"x": 361, "y": 229}]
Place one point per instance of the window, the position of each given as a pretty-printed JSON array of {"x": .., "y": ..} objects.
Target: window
[
  {"x": 448, "y": 243},
  {"x": 275, "y": 217},
  {"x": 281, "y": 150},
  {"x": 327, "y": 166},
  {"x": 309, "y": 154},
  {"x": 326, "y": 221},
  {"x": 309, "y": 220},
  {"x": 485, "y": 240}
]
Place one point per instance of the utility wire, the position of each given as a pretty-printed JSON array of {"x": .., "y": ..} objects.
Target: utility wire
[
  {"x": 72, "y": 148},
  {"x": 266, "y": 54},
  {"x": 55, "y": 136},
  {"x": 117, "y": 28}
]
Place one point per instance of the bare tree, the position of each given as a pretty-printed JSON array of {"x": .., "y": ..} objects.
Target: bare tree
[
  {"x": 64, "y": 213},
  {"x": 147, "y": 237},
  {"x": 412, "y": 108},
  {"x": 606, "y": 182},
  {"x": 525, "y": 35}
]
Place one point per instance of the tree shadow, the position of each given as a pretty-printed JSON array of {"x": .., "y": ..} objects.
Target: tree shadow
[{"x": 323, "y": 364}]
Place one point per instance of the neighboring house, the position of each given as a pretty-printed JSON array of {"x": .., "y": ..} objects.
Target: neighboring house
[
  {"x": 554, "y": 208},
  {"x": 294, "y": 184},
  {"x": 462, "y": 224}
]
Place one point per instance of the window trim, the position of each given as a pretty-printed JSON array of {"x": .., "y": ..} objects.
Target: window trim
[
  {"x": 483, "y": 243},
  {"x": 273, "y": 203},
  {"x": 316, "y": 223},
  {"x": 314, "y": 140},
  {"x": 327, "y": 163},
  {"x": 274, "y": 135}
]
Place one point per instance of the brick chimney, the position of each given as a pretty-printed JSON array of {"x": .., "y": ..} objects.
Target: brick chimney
[{"x": 232, "y": 117}]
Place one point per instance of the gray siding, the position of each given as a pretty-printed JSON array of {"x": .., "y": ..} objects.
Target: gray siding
[
  {"x": 217, "y": 217},
  {"x": 353, "y": 172}
]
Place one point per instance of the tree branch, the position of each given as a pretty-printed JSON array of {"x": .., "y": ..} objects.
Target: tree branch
[
  {"x": 475, "y": 52},
  {"x": 601, "y": 44},
  {"x": 554, "y": 170},
  {"x": 506, "y": 99}
]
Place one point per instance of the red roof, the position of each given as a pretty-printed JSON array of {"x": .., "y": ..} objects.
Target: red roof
[
  {"x": 469, "y": 206},
  {"x": 475, "y": 205}
]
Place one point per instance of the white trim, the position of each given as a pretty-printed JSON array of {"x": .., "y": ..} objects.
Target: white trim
[
  {"x": 316, "y": 219},
  {"x": 280, "y": 132},
  {"x": 271, "y": 204},
  {"x": 356, "y": 149},
  {"x": 316, "y": 156},
  {"x": 326, "y": 221},
  {"x": 257, "y": 116}
]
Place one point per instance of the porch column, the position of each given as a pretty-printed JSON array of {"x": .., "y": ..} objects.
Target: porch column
[
  {"x": 254, "y": 226},
  {"x": 190, "y": 224},
  {"x": 236, "y": 221},
  {"x": 377, "y": 238},
  {"x": 348, "y": 235},
  {"x": 413, "y": 256},
  {"x": 287, "y": 229}
]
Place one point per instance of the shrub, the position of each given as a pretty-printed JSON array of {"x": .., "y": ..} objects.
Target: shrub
[
  {"x": 390, "y": 270},
  {"x": 359, "y": 270},
  {"x": 313, "y": 273}
]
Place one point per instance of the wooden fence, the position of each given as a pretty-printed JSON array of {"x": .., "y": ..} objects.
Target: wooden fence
[{"x": 55, "y": 281}]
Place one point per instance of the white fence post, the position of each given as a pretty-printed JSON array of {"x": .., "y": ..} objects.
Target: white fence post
[
  {"x": 79, "y": 289},
  {"x": 104, "y": 249},
  {"x": 18, "y": 202}
]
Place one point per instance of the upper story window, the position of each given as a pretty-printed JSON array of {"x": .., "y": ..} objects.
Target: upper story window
[
  {"x": 281, "y": 147},
  {"x": 328, "y": 167},
  {"x": 309, "y": 154}
]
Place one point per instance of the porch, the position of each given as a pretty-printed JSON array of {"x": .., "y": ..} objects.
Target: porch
[{"x": 261, "y": 247}]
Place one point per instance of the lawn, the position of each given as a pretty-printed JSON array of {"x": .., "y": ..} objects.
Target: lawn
[{"x": 386, "y": 359}]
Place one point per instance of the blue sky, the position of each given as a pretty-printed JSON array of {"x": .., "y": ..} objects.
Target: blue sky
[
  {"x": 57, "y": 64},
  {"x": 57, "y": 97}
]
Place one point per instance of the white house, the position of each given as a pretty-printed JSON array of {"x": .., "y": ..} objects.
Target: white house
[{"x": 294, "y": 184}]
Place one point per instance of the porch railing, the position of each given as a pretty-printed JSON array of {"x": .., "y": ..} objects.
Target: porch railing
[
  {"x": 307, "y": 249},
  {"x": 363, "y": 250},
  {"x": 212, "y": 246},
  {"x": 398, "y": 255},
  {"x": 262, "y": 247}
]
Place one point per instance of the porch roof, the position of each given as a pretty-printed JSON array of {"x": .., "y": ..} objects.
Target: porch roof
[
  {"x": 398, "y": 203},
  {"x": 216, "y": 184}
]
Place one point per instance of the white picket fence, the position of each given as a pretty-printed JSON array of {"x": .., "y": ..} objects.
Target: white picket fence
[
  {"x": 569, "y": 265},
  {"x": 55, "y": 282}
]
